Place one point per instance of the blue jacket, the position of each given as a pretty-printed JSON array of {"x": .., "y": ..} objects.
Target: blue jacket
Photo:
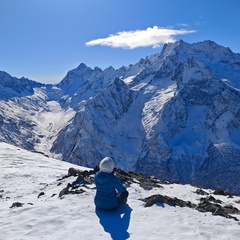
[{"x": 107, "y": 184}]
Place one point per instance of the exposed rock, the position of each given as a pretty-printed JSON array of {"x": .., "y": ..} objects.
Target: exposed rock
[
  {"x": 66, "y": 191},
  {"x": 217, "y": 210},
  {"x": 145, "y": 182},
  {"x": 16, "y": 204},
  {"x": 73, "y": 172},
  {"x": 210, "y": 199},
  {"x": 230, "y": 209},
  {"x": 63, "y": 192},
  {"x": 1, "y": 193},
  {"x": 41, "y": 194},
  {"x": 204, "y": 206},
  {"x": 83, "y": 178},
  {"x": 222, "y": 192},
  {"x": 201, "y": 192},
  {"x": 149, "y": 201}
]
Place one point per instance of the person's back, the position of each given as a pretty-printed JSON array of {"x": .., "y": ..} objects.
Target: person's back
[{"x": 107, "y": 183}]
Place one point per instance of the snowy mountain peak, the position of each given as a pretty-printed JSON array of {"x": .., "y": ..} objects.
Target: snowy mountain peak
[
  {"x": 174, "y": 115},
  {"x": 207, "y": 47},
  {"x": 14, "y": 87},
  {"x": 76, "y": 75},
  {"x": 207, "y": 51}
]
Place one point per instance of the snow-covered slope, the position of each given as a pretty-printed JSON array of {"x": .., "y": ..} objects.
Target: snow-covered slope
[
  {"x": 175, "y": 115},
  {"x": 32, "y": 121},
  {"x": 31, "y": 208}
]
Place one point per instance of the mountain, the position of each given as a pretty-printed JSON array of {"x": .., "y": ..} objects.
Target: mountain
[
  {"x": 33, "y": 206},
  {"x": 14, "y": 87},
  {"x": 175, "y": 115}
]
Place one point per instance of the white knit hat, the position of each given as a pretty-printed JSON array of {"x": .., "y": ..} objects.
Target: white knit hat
[{"x": 106, "y": 165}]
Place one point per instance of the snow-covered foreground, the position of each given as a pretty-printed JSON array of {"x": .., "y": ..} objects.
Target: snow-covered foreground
[{"x": 24, "y": 175}]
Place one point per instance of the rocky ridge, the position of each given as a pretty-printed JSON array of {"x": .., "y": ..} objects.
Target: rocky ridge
[{"x": 207, "y": 203}]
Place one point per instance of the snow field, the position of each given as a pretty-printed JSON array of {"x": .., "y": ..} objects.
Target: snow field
[{"x": 24, "y": 175}]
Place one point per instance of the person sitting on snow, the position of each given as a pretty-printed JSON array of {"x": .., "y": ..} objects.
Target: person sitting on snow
[{"x": 110, "y": 192}]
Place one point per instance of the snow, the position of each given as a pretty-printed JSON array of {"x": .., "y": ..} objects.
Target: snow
[
  {"x": 25, "y": 174},
  {"x": 49, "y": 124},
  {"x": 193, "y": 135},
  {"x": 153, "y": 107},
  {"x": 129, "y": 79}
]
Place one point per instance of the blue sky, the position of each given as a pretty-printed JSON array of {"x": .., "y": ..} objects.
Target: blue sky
[{"x": 44, "y": 39}]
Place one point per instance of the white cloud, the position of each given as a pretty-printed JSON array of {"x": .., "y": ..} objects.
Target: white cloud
[{"x": 154, "y": 37}]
